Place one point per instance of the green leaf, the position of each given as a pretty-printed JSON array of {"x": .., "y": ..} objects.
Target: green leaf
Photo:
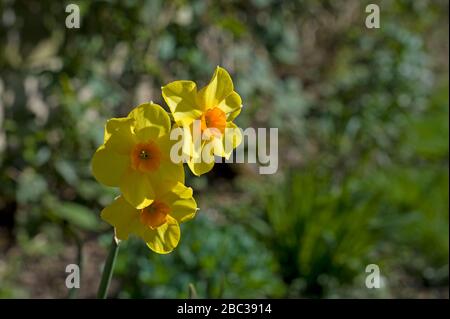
[
  {"x": 31, "y": 186},
  {"x": 67, "y": 171},
  {"x": 77, "y": 215}
]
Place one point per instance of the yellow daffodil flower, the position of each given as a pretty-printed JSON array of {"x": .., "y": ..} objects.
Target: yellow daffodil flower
[
  {"x": 158, "y": 223},
  {"x": 214, "y": 107},
  {"x": 135, "y": 155}
]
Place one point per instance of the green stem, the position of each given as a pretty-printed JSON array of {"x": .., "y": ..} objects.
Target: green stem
[
  {"x": 108, "y": 269},
  {"x": 79, "y": 243},
  {"x": 192, "y": 292}
]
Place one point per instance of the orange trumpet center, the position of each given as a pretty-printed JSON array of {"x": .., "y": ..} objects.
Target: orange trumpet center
[
  {"x": 145, "y": 157},
  {"x": 214, "y": 118},
  {"x": 155, "y": 215}
]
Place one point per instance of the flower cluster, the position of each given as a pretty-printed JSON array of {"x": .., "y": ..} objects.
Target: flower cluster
[{"x": 135, "y": 156}]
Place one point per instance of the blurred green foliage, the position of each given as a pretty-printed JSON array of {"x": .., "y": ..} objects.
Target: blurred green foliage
[
  {"x": 363, "y": 148},
  {"x": 219, "y": 266}
]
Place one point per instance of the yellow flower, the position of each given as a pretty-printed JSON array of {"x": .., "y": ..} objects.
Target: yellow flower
[
  {"x": 135, "y": 155},
  {"x": 158, "y": 223},
  {"x": 215, "y": 107}
]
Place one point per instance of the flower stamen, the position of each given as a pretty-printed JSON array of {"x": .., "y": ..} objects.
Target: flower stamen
[{"x": 145, "y": 157}]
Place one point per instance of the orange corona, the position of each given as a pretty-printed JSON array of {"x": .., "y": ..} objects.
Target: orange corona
[
  {"x": 145, "y": 157},
  {"x": 214, "y": 118},
  {"x": 155, "y": 215}
]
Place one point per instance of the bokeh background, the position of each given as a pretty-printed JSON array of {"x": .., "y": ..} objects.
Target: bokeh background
[{"x": 363, "y": 146}]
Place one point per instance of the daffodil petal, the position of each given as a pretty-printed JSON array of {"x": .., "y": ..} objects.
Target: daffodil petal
[
  {"x": 178, "y": 145},
  {"x": 150, "y": 115},
  {"x": 146, "y": 134},
  {"x": 197, "y": 143},
  {"x": 167, "y": 175},
  {"x": 108, "y": 166},
  {"x": 233, "y": 115},
  {"x": 163, "y": 239},
  {"x": 182, "y": 205},
  {"x": 231, "y": 139},
  {"x": 137, "y": 189},
  {"x": 182, "y": 191},
  {"x": 231, "y": 105},
  {"x": 123, "y": 216},
  {"x": 184, "y": 209},
  {"x": 181, "y": 96},
  {"x": 234, "y": 133},
  {"x": 201, "y": 167},
  {"x": 165, "y": 144},
  {"x": 119, "y": 135},
  {"x": 217, "y": 89},
  {"x": 116, "y": 124}
]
